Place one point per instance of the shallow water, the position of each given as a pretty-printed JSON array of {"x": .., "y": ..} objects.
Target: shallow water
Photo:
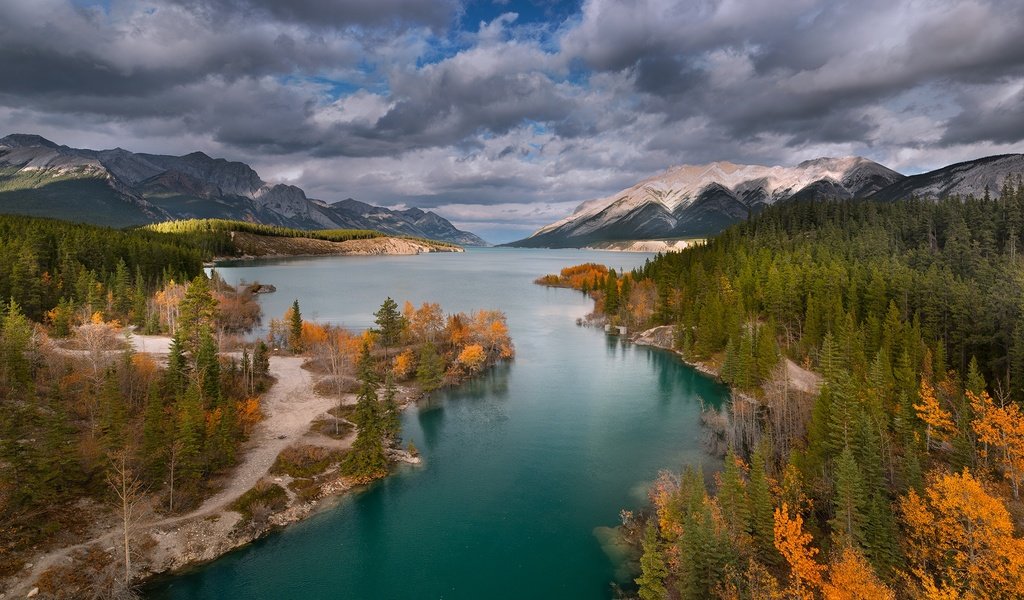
[{"x": 525, "y": 468}]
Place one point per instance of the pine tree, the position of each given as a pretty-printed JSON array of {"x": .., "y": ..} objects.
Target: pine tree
[
  {"x": 154, "y": 436},
  {"x": 260, "y": 360},
  {"x": 367, "y": 460},
  {"x": 391, "y": 422},
  {"x": 113, "y": 418},
  {"x": 762, "y": 521},
  {"x": 207, "y": 368},
  {"x": 652, "y": 567},
  {"x": 191, "y": 430},
  {"x": 848, "y": 503},
  {"x": 295, "y": 328},
  {"x": 430, "y": 372},
  {"x": 732, "y": 496},
  {"x": 390, "y": 324},
  {"x": 197, "y": 311},
  {"x": 176, "y": 375}
]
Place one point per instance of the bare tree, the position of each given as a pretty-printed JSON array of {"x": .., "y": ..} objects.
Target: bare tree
[
  {"x": 173, "y": 453},
  {"x": 128, "y": 493}
]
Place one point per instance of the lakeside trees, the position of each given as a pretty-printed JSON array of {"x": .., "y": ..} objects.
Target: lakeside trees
[
  {"x": 68, "y": 412},
  {"x": 910, "y": 313}
]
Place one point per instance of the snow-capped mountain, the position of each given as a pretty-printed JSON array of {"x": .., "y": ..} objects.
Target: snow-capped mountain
[
  {"x": 118, "y": 187},
  {"x": 703, "y": 199}
]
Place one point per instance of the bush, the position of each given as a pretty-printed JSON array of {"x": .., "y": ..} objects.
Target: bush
[
  {"x": 303, "y": 461},
  {"x": 263, "y": 496}
]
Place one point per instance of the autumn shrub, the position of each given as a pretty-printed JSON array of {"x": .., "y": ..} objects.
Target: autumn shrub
[
  {"x": 264, "y": 493},
  {"x": 305, "y": 460}
]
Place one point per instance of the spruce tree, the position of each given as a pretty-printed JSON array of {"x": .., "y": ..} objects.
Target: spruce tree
[
  {"x": 295, "y": 328},
  {"x": 367, "y": 459},
  {"x": 732, "y": 496},
  {"x": 430, "y": 371},
  {"x": 154, "y": 436},
  {"x": 190, "y": 434},
  {"x": 176, "y": 375},
  {"x": 762, "y": 518},
  {"x": 207, "y": 368},
  {"x": 391, "y": 422},
  {"x": 849, "y": 502},
  {"x": 652, "y": 567},
  {"x": 390, "y": 324}
]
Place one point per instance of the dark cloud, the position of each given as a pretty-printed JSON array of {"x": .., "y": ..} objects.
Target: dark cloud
[
  {"x": 1000, "y": 121},
  {"x": 387, "y": 100},
  {"x": 335, "y": 14}
]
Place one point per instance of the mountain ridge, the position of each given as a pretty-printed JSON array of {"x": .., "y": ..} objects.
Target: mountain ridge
[
  {"x": 117, "y": 187},
  {"x": 700, "y": 200}
]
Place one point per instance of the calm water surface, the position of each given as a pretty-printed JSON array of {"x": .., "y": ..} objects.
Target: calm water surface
[{"x": 525, "y": 469}]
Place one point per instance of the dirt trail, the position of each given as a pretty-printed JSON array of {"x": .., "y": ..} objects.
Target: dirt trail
[{"x": 289, "y": 407}]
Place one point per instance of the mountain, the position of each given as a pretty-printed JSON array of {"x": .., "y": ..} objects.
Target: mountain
[
  {"x": 696, "y": 200},
  {"x": 121, "y": 188},
  {"x": 960, "y": 179}
]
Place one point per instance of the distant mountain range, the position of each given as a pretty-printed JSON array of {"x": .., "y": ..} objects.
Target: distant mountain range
[
  {"x": 701, "y": 200},
  {"x": 121, "y": 188}
]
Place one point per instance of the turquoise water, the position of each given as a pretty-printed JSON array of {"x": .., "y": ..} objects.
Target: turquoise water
[{"x": 525, "y": 469}]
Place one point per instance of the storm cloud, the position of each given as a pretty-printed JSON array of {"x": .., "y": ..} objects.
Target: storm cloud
[{"x": 473, "y": 104}]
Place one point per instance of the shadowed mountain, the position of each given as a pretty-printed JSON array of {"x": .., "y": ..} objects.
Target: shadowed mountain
[{"x": 120, "y": 188}]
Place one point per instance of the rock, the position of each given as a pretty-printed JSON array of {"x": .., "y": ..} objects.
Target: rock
[{"x": 33, "y": 592}]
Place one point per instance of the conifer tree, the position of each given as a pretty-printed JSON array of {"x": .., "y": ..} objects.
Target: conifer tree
[
  {"x": 154, "y": 435},
  {"x": 732, "y": 496},
  {"x": 762, "y": 521},
  {"x": 390, "y": 324},
  {"x": 367, "y": 460},
  {"x": 207, "y": 368},
  {"x": 190, "y": 434},
  {"x": 652, "y": 567},
  {"x": 848, "y": 503},
  {"x": 430, "y": 371},
  {"x": 295, "y": 328},
  {"x": 391, "y": 425}
]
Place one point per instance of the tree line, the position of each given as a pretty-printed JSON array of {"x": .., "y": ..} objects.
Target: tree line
[{"x": 902, "y": 473}]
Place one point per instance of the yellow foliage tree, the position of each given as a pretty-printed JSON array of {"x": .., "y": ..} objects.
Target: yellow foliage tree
[
  {"x": 937, "y": 419},
  {"x": 472, "y": 357},
  {"x": 1001, "y": 428},
  {"x": 960, "y": 542},
  {"x": 795, "y": 546},
  {"x": 850, "y": 578},
  {"x": 404, "y": 364}
]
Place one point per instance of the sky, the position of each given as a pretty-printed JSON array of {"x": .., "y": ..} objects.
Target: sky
[{"x": 503, "y": 115}]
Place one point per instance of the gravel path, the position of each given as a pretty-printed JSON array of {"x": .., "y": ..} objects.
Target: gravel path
[{"x": 289, "y": 407}]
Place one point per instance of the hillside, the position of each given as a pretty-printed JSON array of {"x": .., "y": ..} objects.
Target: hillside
[
  {"x": 701, "y": 200},
  {"x": 119, "y": 188}
]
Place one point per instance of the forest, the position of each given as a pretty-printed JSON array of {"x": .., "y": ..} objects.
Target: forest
[
  {"x": 96, "y": 435},
  {"x": 901, "y": 476}
]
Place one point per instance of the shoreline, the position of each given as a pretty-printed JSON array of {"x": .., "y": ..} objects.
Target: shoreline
[{"x": 178, "y": 543}]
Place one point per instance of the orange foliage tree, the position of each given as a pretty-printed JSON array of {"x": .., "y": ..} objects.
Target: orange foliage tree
[
  {"x": 937, "y": 419},
  {"x": 850, "y": 578},
  {"x": 795, "y": 546},
  {"x": 1002, "y": 428},
  {"x": 404, "y": 364},
  {"x": 472, "y": 357},
  {"x": 960, "y": 542}
]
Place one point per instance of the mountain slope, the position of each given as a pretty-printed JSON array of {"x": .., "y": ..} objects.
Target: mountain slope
[
  {"x": 695, "y": 200},
  {"x": 960, "y": 179},
  {"x": 119, "y": 188}
]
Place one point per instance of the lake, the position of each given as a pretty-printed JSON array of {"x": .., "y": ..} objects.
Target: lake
[{"x": 525, "y": 469}]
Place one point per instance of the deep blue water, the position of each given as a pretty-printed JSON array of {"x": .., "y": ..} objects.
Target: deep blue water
[{"x": 525, "y": 469}]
